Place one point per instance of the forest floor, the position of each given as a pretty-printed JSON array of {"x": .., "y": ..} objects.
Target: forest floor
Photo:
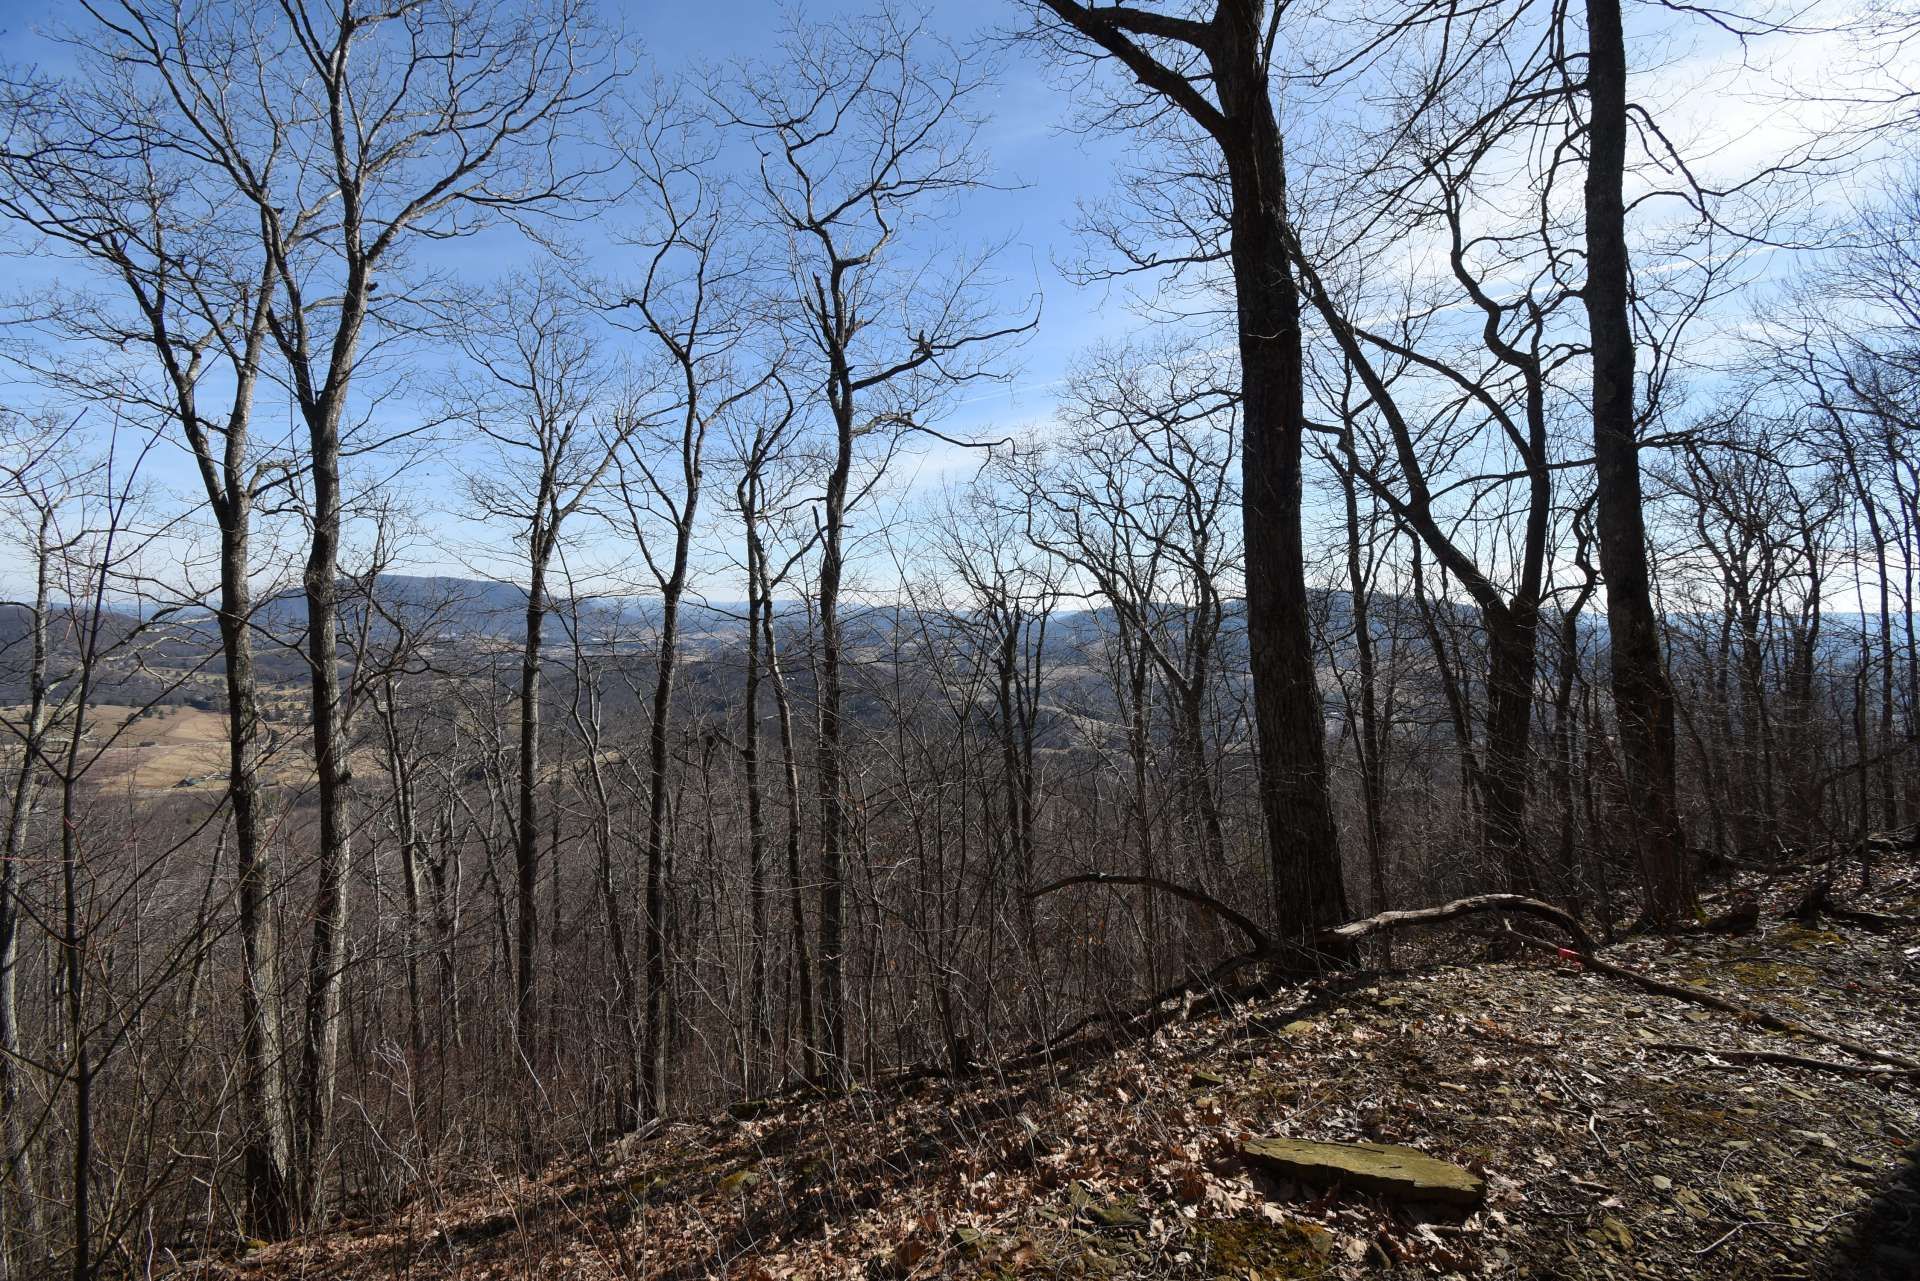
[{"x": 1606, "y": 1152}]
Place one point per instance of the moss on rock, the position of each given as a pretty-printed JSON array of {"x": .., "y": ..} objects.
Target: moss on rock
[
  {"x": 1374, "y": 1167},
  {"x": 1248, "y": 1244}
]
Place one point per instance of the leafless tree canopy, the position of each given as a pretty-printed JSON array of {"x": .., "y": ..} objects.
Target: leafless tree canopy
[{"x": 517, "y": 628}]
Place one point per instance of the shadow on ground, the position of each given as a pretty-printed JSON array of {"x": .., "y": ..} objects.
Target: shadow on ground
[{"x": 1883, "y": 1243}]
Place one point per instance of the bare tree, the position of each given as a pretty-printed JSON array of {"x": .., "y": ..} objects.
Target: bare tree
[
  {"x": 90, "y": 530},
  {"x": 864, "y": 133},
  {"x": 1420, "y": 392},
  {"x": 1214, "y": 71},
  {"x": 691, "y": 303},
  {"x": 91, "y": 167},
  {"x": 1642, "y": 695},
  {"x": 1137, "y": 496},
  {"x": 347, "y": 132},
  {"x": 1007, "y": 589},
  {"x": 28, "y": 485},
  {"x": 556, "y": 433},
  {"x": 763, "y": 441}
]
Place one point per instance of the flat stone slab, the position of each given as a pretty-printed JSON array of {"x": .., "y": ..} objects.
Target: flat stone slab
[{"x": 1374, "y": 1167}]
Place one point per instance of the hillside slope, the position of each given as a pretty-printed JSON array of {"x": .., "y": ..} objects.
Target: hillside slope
[{"x": 1611, "y": 1142}]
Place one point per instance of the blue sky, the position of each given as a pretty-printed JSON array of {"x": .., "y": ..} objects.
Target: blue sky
[
  {"x": 1042, "y": 170},
  {"x": 1046, "y": 168},
  {"x": 1039, "y": 172}
]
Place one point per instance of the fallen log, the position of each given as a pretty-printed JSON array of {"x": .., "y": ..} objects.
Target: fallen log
[
  {"x": 1818, "y": 902},
  {"x": 1874, "y": 921},
  {"x": 1742, "y": 916},
  {"x": 1475, "y": 905},
  {"x": 1149, "y": 1016},
  {"x": 1339, "y": 936}
]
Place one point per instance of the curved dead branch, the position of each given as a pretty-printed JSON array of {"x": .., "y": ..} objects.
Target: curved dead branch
[
  {"x": 1255, "y": 935},
  {"x": 1341, "y": 935},
  {"x": 1473, "y": 905}
]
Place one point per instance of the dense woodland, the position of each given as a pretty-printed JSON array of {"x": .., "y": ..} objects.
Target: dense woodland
[{"x": 1509, "y": 485}]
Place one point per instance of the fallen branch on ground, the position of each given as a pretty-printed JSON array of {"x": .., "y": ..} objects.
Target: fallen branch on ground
[
  {"x": 1818, "y": 902},
  {"x": 1776, "y": 1056},
  {"x": 1504, "y": 904},
  {"x": 1872, "y": 920},
  {"x": 1694, "y": 996},
  {"x": 1353, "y": 931},
  {"x": 1741, "y": 916},
  {"x": 1149, "y": 1016}
]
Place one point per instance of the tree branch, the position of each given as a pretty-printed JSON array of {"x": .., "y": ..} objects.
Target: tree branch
[{"x": 1255, "y": 935}]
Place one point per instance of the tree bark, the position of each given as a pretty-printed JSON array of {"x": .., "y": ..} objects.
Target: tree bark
[
  {"x": 828, "y": 786},
  {"x": 653, "y": 1054},
  {"x": 672, "y": 588},
  {"x": 327, "y": 958},
  {"x": 1642, "y": 695},
  {"x": 802, "y": 978},
  {"x": 526, "y": 828},
  {"x": 16, "y": 1156},
  {"x": 1368, "y": 744},
  {"x": 268, "y": 1139},
  {"x": 1308, "y": 885},
  {"x": 759, "y": 1036}
]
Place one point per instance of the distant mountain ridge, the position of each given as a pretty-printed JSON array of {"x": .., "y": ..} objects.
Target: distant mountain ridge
[{"x": 482, "y": 607}]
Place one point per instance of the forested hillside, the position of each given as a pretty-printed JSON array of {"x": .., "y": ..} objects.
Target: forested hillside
[{"x": 1053, "y": 638}]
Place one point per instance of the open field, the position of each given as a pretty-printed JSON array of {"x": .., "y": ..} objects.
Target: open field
[
  {"x": 172, "y": 747},
  {"x": 177, "y": 748}
]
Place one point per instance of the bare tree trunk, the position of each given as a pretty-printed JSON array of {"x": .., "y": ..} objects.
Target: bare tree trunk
[
  {"x": 1909, "y": 496},
  {"x": 73, "y": 941},
  {"x": 268, "y": 1140},
  {"x": 796, "y": 885},
  {"x": 1877, "y": 534},
  {"x": 1511, "y": 666},
  {"x": 653, "y": 1053},
  {"x": 1303, "y": 844},
  {"x": 74, "y": 937},
  {"x": 828, "y": 786},
  {"x": 1564, "y": 710},
  {"x": 1510, "y": 621},
  {"x": 659, "y": 854},
  {"x": 1196, "y": 779},
  {"x": 1308, "y": 886},
  {"x": 16, "y": 1158},
  {"x": 1309, "y": 891},
  {"x": 1453, "y": 693},
  {"x": 407, "y": 833},
  {"x": 626, "y": 994},
  {"x": 1367, "y": 744},
  {"x": 1889, "y": 795},
  {"x": 327, "y": 959},
  {"x": 1015, "y": 746},
  {"x": 626, "y": 1000},
  {"x": 1642, "y": 695},
  {"x": 526, "y": 828},
  {"x": 760, "y": 1033},
  {"x": 1139, "y": 739}
]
